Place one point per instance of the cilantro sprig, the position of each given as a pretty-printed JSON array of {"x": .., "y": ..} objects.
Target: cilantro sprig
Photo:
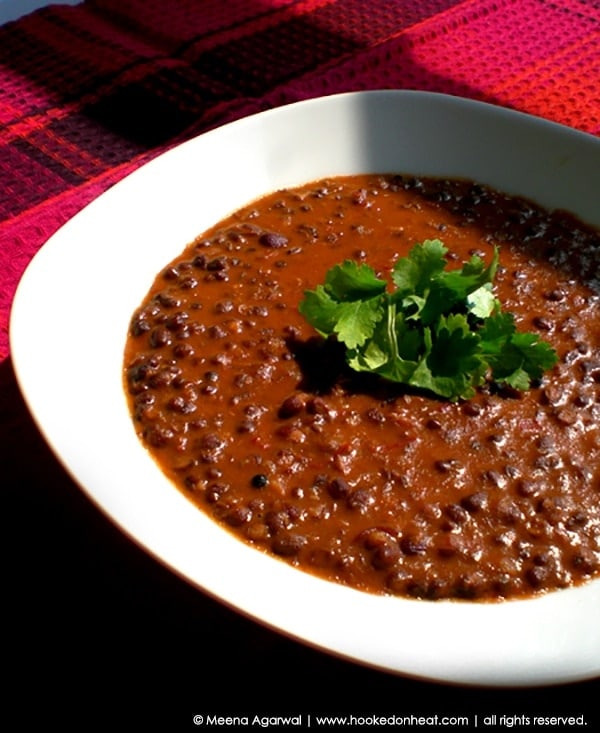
[{"x": 440, "y": 330}]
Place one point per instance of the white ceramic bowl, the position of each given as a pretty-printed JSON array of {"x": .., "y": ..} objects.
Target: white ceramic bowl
[{"x": 99, "y": 266}]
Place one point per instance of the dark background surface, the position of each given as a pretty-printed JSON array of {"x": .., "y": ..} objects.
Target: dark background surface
[{"x": 95, "y": 627}]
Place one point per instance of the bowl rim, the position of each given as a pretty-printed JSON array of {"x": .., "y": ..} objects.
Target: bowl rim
[{"x": 149, "y": 204}]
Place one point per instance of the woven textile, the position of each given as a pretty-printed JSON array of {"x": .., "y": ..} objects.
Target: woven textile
[
  {"x": 97, "y": 630},
  {"x": 89, "y": 92}
]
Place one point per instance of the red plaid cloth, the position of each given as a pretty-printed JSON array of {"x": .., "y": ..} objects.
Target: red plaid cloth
[{"x": 89, "y": 92}]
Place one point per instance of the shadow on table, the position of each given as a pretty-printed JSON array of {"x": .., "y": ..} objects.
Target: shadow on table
[{"x": 89, "y": 615}]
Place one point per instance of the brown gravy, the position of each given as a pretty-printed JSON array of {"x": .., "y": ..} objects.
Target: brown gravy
[{"x": 259, "y": 422}]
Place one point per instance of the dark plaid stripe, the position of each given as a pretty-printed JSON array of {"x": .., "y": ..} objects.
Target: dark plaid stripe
[{"x": 90, "y": 88}]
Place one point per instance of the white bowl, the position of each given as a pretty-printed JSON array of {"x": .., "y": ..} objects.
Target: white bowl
[{"x": 71, "y": 314}]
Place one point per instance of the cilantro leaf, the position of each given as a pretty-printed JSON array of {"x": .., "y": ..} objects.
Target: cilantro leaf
[
  {"x": 449, "y": 289},
  {"x": 350, "y": 281},
  {"x": 320, "y": 310},
  {"x": 439, "y": 330},
  {"x": 412, "y": 275},
  {"x": 348, "y": 304},
  {"x": 356, "y": 321},
  {"x": 455, "y": 349},
  {"x": 392, "y": 352},
  {"x": 452, "y": 363},
  {"x": 482, "y": 302},
  {"x": 523, "y": 357}
]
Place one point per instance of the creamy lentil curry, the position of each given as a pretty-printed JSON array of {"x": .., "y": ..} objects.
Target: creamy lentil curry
[{"x": 260, "y": 422}]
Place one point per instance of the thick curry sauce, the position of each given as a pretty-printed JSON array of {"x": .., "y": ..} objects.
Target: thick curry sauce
[{"x": 258, "y": 420}]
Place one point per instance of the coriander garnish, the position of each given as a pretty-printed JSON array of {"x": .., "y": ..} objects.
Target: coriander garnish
[{"x": 439, "y": 330}]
